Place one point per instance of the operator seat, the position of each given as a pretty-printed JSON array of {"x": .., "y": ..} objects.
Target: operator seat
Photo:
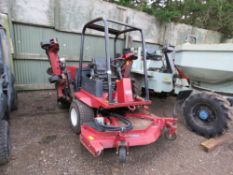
[
  {"x": 99, "y": 67},
  {"x": 99, "y": 71}
]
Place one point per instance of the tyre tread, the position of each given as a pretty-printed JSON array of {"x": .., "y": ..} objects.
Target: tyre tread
[
  {"x": 85, "y": 113},
  {"x": 4, "y": 143},
  {"x": 223, "y": 104}
]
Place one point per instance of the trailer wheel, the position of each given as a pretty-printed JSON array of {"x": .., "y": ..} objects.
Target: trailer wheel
[
  {"x": 122, "y": 154},
  {"x": 79, "y": 113},
  {"x": 4, "y": 142},
  {"x": 206, "y": 113}
]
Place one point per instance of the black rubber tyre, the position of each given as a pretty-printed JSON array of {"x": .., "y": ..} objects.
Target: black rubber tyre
[
  {"x": 122, "y": 154},
  {"x": 14, "y": 105},
  {"x": 4, "y": 142},
  {"x": 79, "y": 113},
  {"x": 13, "y": 95},
  {"x": 137, "y": 84},
  {"x": 49, "y": 71},
  {"x": 63, "y": 104},
  {"x": 168, "y": 137},
  {"x": 206, "y": 113}
]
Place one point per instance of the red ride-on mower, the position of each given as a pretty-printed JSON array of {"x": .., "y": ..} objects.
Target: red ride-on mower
[{"x": 105, "y": 106}]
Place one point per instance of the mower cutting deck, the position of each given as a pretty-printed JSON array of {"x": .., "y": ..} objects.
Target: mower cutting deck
[
  {"x": 95, "y": 140},
  {"x": 105, "y": 108}
]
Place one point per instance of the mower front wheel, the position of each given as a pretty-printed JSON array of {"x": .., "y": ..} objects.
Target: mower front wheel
[
  {"x": 170, "y": 137},
  {"x": 79, "y": 113},
  {"x": 122, "y": 154}
]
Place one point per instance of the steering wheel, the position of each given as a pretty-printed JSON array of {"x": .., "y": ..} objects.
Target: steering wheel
[{"x": 117, "y": 62}]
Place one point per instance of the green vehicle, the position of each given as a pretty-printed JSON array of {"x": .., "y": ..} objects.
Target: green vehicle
[{"x": 8, "y": 96}]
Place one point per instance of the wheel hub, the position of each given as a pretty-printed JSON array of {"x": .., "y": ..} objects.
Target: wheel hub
[
  {"x": 74, "y": 117},
  {"x": 203, "y": 115}
]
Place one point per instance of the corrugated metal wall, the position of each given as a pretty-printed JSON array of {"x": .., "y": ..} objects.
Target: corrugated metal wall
[
  {"x": 31, "y": 74},
  {"x": 30, "y": 61},
  {"x": 28, "y": 38}
]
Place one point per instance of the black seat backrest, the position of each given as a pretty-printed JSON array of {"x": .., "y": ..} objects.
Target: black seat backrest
[{"x": 100, "y": 65}]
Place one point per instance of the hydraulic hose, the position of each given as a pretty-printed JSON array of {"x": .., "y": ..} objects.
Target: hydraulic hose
[{"x": 128, "y": 125}]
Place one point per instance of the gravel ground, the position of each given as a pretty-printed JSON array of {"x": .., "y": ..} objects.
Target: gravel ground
[{"x": 43, "y": 143}]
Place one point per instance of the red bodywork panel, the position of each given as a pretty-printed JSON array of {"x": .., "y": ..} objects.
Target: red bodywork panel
[
  {"x": 123, "y": 97},
  {"x": 96, "y": 141},
  {"x": 124, "y": 91},
  {"x": 183, "y": 76},
  {"x": 53, "y": 58},
  {"x": 56, "y": 70},
  {"x": 72, "y": 71},
  {"x": 97, "y": 102}
]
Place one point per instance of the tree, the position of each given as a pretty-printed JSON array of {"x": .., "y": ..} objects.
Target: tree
[{"x": 209, "y": 14}]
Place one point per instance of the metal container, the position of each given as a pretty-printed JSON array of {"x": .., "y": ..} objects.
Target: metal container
[
  {"x": 210, "y": 63},
  {"x": 209, "y": 66}
]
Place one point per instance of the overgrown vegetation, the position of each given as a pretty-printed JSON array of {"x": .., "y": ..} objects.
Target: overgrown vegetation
[{"x": 209, "y": 14}]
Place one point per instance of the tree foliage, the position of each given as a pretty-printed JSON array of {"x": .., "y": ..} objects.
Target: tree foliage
[{"x": 209, "y": 14}]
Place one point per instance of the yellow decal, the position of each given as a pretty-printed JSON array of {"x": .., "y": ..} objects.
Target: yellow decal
[
  {"x": 90, "y": 137},
  {"x": 166, "y": 78}
]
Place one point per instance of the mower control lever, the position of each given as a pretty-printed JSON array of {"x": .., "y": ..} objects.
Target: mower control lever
[{"x": 118, "y": 63}]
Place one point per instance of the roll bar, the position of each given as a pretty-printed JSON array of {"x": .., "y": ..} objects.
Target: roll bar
[{"x": 105, "y": 28}]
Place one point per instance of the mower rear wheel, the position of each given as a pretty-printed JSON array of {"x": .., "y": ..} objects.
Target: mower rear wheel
[
  {"x": 62, "y": 104},
  {"x": 206, "y": 113},
  {"x": 79, "y": 113},
  {"x": 4, "y": 142},
  {"x": 136, "y": 87},
  {"x": 122, "y": 154}
]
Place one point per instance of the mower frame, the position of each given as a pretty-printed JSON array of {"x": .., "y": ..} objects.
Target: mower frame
[{"x": 93, "y": 111}]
